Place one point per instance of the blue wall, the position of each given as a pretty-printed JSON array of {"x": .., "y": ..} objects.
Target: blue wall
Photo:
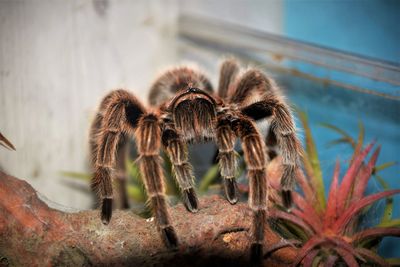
[{"x": 370, "y": 28}]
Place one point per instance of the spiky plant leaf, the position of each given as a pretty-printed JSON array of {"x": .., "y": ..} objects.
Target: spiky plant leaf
[
  {"x": 374, "y": 233},
  {"x": 364, "y": 176},
  {"x": 384, "y": 166},
  {"x": 390, "y": 223},
  {"x": 356, "y": 207},
  {"x": 305, "y": 187},
  {"x": 209, "y": 178},
  {"x": 372, "y": 257},
  {"x": 331, "y": 212},
  {"x": 313, "y": 160},
  {"x": 6, "y": 143},
  {"x": 348, "y": 180},
  {"x": 307, "y": 248},
  {"x": 136, "y": 193},
  {"x": 77, "y": 175},
  {"x": 278, "y": 214},
  {"x": 393, "y": 261},
  {"x": 310, "y": 257},
  {"x": 360, "y": 141},
  {"x": 388, "y": 211},
  {"x": 345, "y": 135},
  {"x": 279, "y": 245},
  {"x": 347, "y": 257}
]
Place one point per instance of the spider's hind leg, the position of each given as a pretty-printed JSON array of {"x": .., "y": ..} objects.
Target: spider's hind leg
[{"x": 228, "y": 72}]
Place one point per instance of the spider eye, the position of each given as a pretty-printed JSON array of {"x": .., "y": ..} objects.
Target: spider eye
[{"x": 192, "y": 90}]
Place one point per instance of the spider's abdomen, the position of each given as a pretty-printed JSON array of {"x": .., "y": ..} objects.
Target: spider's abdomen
[{"x": 194, "y": 115}]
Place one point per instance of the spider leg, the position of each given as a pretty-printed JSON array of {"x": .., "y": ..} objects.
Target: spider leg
[
  {"x": 120, "y": 174},
  {"x": 118, "y": 115},
  {"x": 252, "y": 83},
  {"x": 283, "y": 129},
  {"x": 256, "y": 160},
  {"x": 226, "y": 138},
  {"x": 148, "y": 136},
  {"x": 227, "y": 76},
  {"x": 177, "y": 152}
]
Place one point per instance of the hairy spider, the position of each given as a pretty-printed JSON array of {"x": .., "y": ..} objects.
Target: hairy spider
[{"x": 183, "y": 109}]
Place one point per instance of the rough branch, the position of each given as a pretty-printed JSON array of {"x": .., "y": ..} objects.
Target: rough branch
[{"x": 32, "y": 234}]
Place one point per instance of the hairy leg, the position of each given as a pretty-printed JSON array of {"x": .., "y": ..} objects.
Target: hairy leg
[
  {"x": 226, "y": 138},
  {"x": 148, "y": 136},
  {"x": 256, "y": 160},
  {"x": 227, "y": 76},
  {"x": 252, "y": 86},
  {"x": 118, "y": 115},
  {"x": 283, "y": 130},
  {"x": 178, "y": 154}
]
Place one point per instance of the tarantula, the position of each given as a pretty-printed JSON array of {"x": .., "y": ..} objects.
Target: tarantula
[{"x": 184, "y": 109}]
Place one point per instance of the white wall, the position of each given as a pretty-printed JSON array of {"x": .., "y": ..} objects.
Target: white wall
[{"x": 58, "y": 58}]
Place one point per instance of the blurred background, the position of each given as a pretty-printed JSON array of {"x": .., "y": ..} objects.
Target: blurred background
[{"x": 337, "y": 60}]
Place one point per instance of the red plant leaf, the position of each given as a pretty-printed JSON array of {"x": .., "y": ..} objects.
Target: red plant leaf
[
  {"x": 331, "y": 260},
  {"x": 309, "y": 259},
  {"x": 278, "y": 214},
  {"x": 348, "y": 258},
  {"x": 356, "y": 207},
  {"x": 305, "y": 186},
  {"x": 375, "y": 232},
  {"x": 340, "y": 243},
  {"x": 307, "y": 213},
  {"x": 308, "y": 246},
  {"x": 365, "y": 174},
  {"x": 348, "y": 179},
  {"x": 331, "y": 208},
  {"x": 280, "y": 245},
  {"x": 315, "y": 226},
  {"x": 368, "y": 254}
]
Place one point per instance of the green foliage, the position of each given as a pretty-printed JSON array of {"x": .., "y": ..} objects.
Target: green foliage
[{"x": 312, "y": 165}]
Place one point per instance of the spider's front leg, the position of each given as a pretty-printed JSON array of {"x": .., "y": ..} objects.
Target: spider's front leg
[
  {"x": 182, "y": 169},
  {"x": 255, "y": 157},
  {"x": 226, "y": 138},
  {"x": 148, "y": 136},
  {"x": 118, "y": 116}
]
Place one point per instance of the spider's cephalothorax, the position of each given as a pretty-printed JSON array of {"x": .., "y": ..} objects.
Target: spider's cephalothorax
[{"x": 185, "y": 109}]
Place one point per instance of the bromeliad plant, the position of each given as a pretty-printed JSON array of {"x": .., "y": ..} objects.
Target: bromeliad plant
[{"x": 328, "y": 231}]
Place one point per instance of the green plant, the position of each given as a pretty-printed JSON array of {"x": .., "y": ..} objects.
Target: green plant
[{"x": 328, "y": 230}]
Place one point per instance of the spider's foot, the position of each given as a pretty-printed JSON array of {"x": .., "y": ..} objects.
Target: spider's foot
[
  {"x": 170, "y": 237},
  {"x": 256, "y": 251},
  {"x": 231, "y": 190},
  {"x": 106, "y": 210},
  {"x": 190, "y": 200},
  {"x": 287, "y": 198}
]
